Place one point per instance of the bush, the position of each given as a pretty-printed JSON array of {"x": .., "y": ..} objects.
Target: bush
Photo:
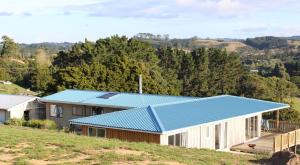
[
  {"x": 49, "y": 124},
  {"x": 16, "y": 122},
  {"x": 41, "y": 124}
]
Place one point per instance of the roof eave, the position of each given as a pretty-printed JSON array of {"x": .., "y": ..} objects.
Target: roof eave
[{"x": 119, "y": 128}]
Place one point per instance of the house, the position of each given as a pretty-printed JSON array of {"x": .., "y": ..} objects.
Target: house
[
  {"x": 71, "y": 104},
  {"x": 18, "y": 106},
  {"x": 218, "y": 122}
]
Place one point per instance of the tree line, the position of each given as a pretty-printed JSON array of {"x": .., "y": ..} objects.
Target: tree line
[{"x": 115, "y": 63}]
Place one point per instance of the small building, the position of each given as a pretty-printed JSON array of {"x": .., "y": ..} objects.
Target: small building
[
  {"x": 18, "y": 106},
  {"x": 71, "y": 104},
  {"x": 218, "y": 122}
]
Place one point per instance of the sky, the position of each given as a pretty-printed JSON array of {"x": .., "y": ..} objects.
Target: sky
[{"x": 32, "y": 21}]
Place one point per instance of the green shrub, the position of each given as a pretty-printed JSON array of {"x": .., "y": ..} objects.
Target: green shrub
[
  {"x": 35, "y": 123},
  {"x": 16, "y": 122},
  {"x": 49, "y": 124},
  {"x": 41, "y": 124}
]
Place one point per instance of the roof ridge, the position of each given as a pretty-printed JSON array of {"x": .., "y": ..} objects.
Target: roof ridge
[
  {"x": 144, "y": 94},
  {"x": 187, "y": 101},
  {"x": 156, "y": 118}
]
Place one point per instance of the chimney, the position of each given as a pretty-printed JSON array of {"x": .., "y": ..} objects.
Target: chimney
[{"x": 140, "y": 84}]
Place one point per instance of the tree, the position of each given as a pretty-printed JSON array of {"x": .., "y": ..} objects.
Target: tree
[
  {"x": 9, "y": 48},
  {"x": 200, "y": 77},
  {"x": 111, "y": 64},
  {"x": 41, "y": 77},
  {"x": 280, "y": 71},
  {"x": 185, "y": 73}
]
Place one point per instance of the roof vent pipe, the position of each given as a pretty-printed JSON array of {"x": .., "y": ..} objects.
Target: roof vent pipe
[{"x": 140, "y": 84}]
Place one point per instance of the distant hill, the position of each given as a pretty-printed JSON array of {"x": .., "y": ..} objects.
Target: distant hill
[
  {"x": 188, "y": 44},
  {"x": 293, "y": 38},
  {"x": 50, "y": 47},
  {"x": 15, "y": 89},
  {"x": 267, "y": 42}
]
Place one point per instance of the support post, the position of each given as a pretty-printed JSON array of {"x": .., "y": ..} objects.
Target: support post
[
  {"x": 277, "y": 120},
  {"x": 296, "y": 142}
]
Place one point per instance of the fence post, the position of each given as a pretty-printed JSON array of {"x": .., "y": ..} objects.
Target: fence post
[
  {"x": 277, "y": 120},
  {"x": 296, "y": 142},
  {"x": 281, "y": 142}
]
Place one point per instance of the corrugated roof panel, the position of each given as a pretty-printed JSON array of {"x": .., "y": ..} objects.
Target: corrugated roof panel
[
  {"x": 8, "y": 101},
  {"x": 175, "y": 116},
  {"x": 135, "y": 119},
  {"x": 73, "y": 96},
  {"x": 171, "y": 116},
  {"x": 120, "y": 100}
]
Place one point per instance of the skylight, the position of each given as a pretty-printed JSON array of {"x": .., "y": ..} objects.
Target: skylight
[{"x": 107, "y": 95}]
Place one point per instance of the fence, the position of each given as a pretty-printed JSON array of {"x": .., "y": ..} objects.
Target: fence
[
  {"x": 284, "y": 126},
  {"x": 286, "y": 140}
]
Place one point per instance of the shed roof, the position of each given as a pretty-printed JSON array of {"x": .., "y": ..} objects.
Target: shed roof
[
  {"x": 172, "y": 116},
  {"x": 115, "y": 99},
  {"x": 8, "y": 101}
]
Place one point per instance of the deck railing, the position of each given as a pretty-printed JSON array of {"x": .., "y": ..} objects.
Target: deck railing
[
  {"x": 284, "y": 126},
  {"x": 286, "y": 140}
]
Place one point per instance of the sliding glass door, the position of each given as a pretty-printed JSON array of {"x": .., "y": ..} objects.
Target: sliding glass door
[{"x": 251, "y": 127}]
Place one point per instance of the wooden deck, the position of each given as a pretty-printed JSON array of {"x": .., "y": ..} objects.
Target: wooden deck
[{"x": 264, "y": 144}]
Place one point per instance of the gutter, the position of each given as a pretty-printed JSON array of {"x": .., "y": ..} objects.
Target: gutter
[{"x": 87, "y": 104}]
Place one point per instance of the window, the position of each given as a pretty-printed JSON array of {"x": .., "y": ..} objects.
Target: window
[
  {"x": 97, "y": 111},
  {"x": 171, "y": 140},
  {"x": 78, "y": 111},
  {"x": 251, "y": 127},
  {"x": 88, "y": 111},
  {"x": 92, "y": 131},
  {"x": 179, "y": 139},
  {"x": 56, "y": 111},
  {"x": 100, "y": 132}
]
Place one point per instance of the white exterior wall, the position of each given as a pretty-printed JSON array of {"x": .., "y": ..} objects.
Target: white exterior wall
[
  {"x": 236, "y": 131},
  {"x": 18, "y": 110},
  {"x": 197, "y": 136}
]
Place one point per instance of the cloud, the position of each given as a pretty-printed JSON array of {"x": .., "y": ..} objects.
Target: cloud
[
  {"x": 5, "y": 14},
  {"x": 149, "y": 8},
  {"x": 124, "y": 9},
  {"x": 233, "y": 8},
  {"x": 27, "y": 14}
]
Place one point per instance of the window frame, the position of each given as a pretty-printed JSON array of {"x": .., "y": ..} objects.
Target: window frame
[
  {"x": 56, "y": 111},
  {"x": 95, "y": 132},
  {"x": 103, "y": 129},
  {"x": 75, "y": 109}
]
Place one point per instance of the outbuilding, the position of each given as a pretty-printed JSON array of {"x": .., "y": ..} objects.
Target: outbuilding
[{"x": 19, "y": 106}]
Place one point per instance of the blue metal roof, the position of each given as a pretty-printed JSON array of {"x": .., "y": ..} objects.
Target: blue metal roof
[
  {"x": 171, "y": 116},
  {"x": 134, "y": 119},
  {"x": 130, "y": 100}
]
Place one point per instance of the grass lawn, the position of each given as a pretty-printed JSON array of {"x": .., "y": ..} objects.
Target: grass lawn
[
  {"x": 19, "y": 145},
  {"x": 14, "y": 89}
]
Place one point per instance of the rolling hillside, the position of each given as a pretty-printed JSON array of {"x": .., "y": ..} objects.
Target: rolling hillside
[{"x": 15, "y": 89}]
